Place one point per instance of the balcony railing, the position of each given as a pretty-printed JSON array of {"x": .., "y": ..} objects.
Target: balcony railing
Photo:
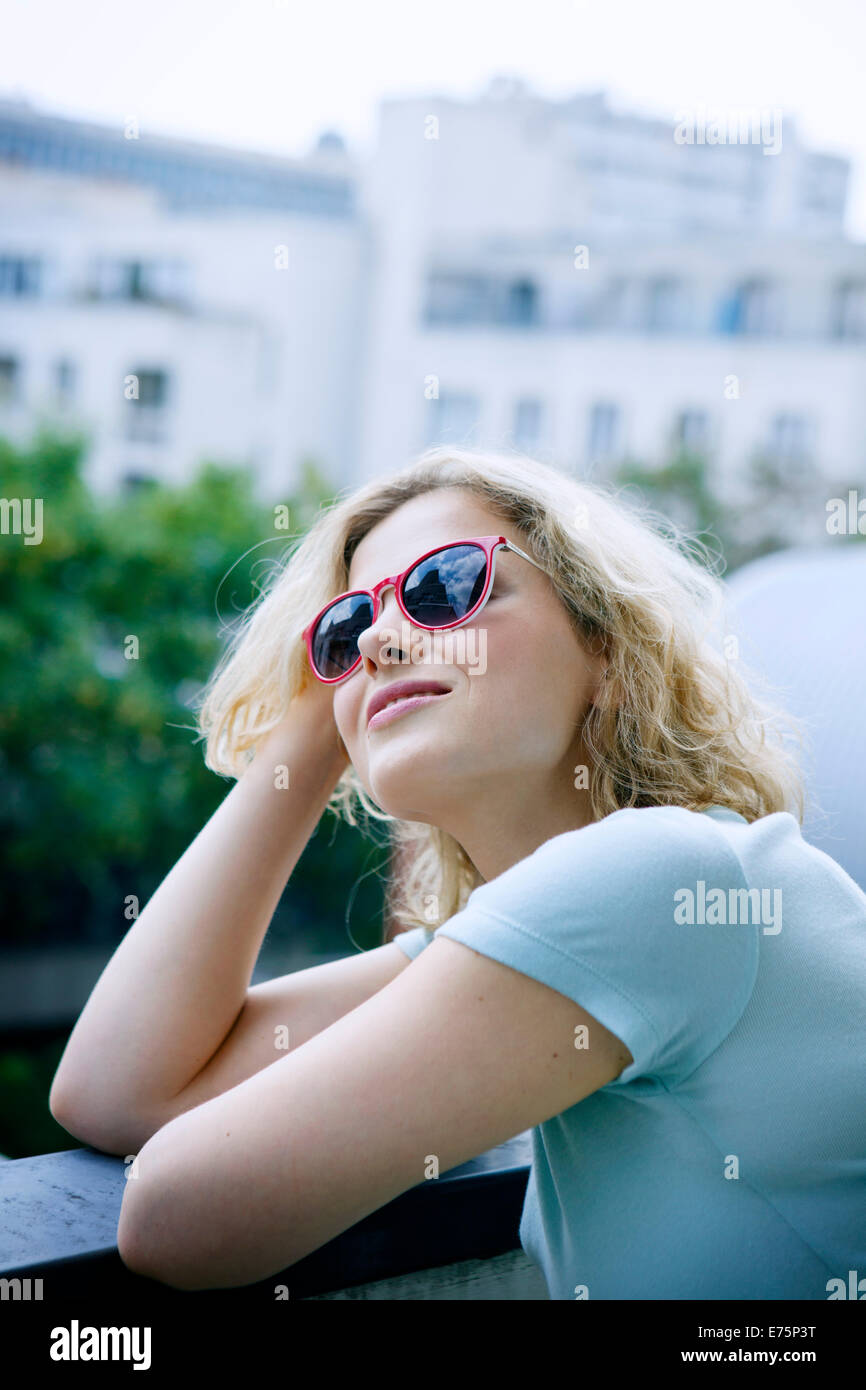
[{"x": 453, "y": 1237}]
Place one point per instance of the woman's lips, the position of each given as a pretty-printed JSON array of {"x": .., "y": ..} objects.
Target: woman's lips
[{"x": 410, "y": 702}]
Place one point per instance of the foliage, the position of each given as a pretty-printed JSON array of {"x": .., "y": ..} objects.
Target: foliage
[
  {"x": 103, "y": 784},
  {"x": 777, "y": 505},
  {"x": 26, "y": 1124}
]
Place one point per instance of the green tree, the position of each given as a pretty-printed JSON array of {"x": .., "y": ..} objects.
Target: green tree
[
  {"x": 103, "y": 783},
  {"x": 681, "y": 490},
  {"x": 779, "y": 505}
]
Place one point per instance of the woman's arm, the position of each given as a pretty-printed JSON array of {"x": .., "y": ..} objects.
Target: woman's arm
[{"x": 179, "y": 978}]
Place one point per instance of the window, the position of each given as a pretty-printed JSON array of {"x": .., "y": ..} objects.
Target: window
[
  {"x": 528, "y": 415},
  {"x": 604, "y": 435},
  {"x": 64, "y": 380},
  {"x": 790, "y": 439},
  {"x": 610, "y": 307},
  {"x": 108, "y": 279},
  {"x": 10, "y": 380},
  {"x": 152, "y": 388},
  {"x": 521, "y": 303},
  {"x": 20, "y": 276},
  {"x": 849, "y": 310},
  {"x": 692, "y": 432},
  {"x": 453, "y": 419},
  {"x": 753, "y": 309},
  {"x": 134, "y": 281},
  {"x": 164, "y": 280},
  {"x": 134, "y": 481},
  {"x": 145, "y": 419},
  {"x": 472, "y": 298},
  {"x": 666, "y": 309},
  {"x": 158, "y": 281},
  {"x": 457, "y": 299}
]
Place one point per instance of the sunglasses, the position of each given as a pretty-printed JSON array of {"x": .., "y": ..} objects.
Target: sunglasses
[{"x": 442, "y": 589}]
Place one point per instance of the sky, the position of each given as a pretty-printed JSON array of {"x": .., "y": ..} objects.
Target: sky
[{"x": 271, "y": 75}]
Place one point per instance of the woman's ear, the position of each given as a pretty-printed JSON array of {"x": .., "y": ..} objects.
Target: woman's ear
[
  {"x": 600, "y": 655},
  {"x": 601, "y": 692},
  {"x": 606, "y": 693}
]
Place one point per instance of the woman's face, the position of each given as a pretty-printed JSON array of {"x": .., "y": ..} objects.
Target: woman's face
[{"x": 506, "y": 737}]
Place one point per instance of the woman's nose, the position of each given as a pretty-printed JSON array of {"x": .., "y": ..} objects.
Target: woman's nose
[{"x": 387, "y": 631}]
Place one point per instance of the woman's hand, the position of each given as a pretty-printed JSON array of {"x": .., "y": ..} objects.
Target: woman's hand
[{"x": 310, "y": 713}]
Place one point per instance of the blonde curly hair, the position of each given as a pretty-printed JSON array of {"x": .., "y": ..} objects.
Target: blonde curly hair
[{"x": 686, "y": 729}]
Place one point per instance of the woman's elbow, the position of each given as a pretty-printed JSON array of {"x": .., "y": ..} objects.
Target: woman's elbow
[
  {"x": 136, "y": 1249},
  {"x": 147, "y": 1243},
  {"x": 96, "y": 1130}
]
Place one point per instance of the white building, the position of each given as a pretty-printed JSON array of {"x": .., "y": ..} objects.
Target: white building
[
  {"x": 509, "y": 271},
  {"x": 576, "y": 284},
  {"x": 178, "y": 302}
]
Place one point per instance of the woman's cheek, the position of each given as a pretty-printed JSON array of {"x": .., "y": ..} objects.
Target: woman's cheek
[
  {"x": 345, "y": 730},
  {"x": 348, "y": 716}
]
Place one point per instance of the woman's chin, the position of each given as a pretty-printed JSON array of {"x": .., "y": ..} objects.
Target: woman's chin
[{"x": 406, "y": 793}]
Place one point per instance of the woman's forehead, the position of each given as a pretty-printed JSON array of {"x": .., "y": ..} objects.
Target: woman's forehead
[{"x": 416, "y": 527}]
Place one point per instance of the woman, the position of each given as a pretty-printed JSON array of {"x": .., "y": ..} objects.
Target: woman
[{"x": 615, "y": 934}]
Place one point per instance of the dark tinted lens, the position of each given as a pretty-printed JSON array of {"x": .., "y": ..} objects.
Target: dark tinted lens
[
  {"x": 335, "y": 640},
  {"x": 443, "y": 588}
]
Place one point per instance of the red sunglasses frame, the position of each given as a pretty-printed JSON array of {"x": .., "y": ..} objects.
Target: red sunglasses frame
[{"x": 489, "y": 544}]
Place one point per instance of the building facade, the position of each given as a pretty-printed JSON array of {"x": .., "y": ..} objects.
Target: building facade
[
  {"x": 575, "y": 284},
  {"x": 555, "y": 277},
  {"x": 179, "y": 303}
]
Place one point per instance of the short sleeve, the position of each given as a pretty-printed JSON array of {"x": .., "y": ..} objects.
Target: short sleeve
[
  {"x": 414, "y": 941},
  {"x": 596, "y": 914}
]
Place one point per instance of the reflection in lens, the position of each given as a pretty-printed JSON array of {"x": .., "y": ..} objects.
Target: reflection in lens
[
  {"x": 444, "y": 587},
  {"x": 335, "y": 640}
]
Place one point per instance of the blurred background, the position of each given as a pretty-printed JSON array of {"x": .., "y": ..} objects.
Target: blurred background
[{"x": 251, "y": 256}]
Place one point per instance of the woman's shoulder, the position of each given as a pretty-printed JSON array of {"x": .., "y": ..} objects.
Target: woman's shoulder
[
  {"x": 669, "y": 832},
  {"x": 633, "y": 859}
]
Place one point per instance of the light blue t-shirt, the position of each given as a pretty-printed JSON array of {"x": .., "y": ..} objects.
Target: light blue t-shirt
[{"x": 728, "y": 1161}]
